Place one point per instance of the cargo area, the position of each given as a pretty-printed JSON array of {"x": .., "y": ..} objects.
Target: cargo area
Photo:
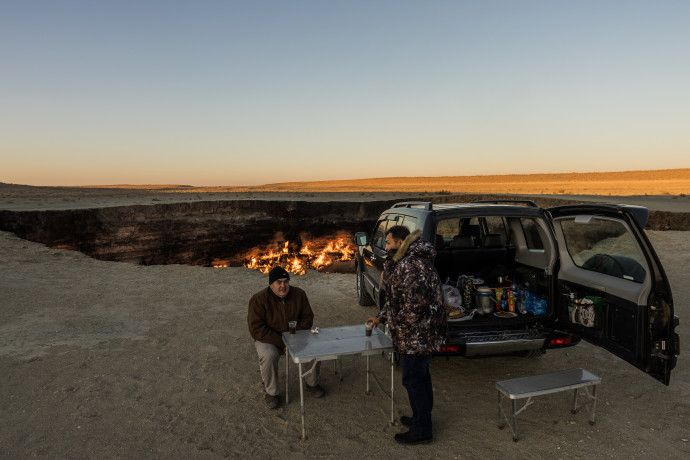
[
  {"x": 479, "y": 260},
  {"x": 516, "y": 294}
]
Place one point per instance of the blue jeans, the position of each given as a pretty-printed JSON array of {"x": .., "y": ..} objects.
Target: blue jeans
[{"x": 417, "y": 381}]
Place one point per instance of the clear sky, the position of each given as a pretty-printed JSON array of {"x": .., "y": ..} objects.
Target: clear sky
[{"x": 254, "y": 92}]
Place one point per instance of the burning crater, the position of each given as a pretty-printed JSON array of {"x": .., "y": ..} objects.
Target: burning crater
[
  {"x": 329, "y": 254},
  {"x": 256, "y": 234},
  {"x": 298, "y": 235}
]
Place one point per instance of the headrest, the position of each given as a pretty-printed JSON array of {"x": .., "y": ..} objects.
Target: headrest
[
  {"x": 462, "y": 242},
  {"x": 470, "y": 230},
  {"x": 493, "y": 240},
  {"x": 440, "y": 242}
]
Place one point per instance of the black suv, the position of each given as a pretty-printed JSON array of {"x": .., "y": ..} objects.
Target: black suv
[{"x": 571, "y": 272}]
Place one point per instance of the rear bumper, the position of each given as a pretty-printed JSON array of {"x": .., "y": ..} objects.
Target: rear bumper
[{"x": 504, "y": 342}]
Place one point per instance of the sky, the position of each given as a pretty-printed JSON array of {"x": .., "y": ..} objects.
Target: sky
[{"x": 254, "y": 92}]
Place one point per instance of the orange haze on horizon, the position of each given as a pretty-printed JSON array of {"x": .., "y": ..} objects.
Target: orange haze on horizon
[{"x": 648, "y": 182}]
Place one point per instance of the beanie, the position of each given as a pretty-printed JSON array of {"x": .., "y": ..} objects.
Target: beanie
[{"x": 277, "y": 273}]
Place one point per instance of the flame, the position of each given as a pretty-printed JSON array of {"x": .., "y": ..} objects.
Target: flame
[{"x": 316, "y": 255}]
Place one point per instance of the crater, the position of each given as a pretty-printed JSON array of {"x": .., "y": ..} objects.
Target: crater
[
  {"x": 227, "y": 232},
  {"x": 206, "y": 233}
]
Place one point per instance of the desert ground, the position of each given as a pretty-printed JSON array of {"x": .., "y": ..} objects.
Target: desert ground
[
  {"x": 113, "y": 360},
  {"x": 663, "y": 190}
]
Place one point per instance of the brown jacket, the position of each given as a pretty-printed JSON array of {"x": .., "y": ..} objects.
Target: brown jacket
[{"x": 268, "y": 314}]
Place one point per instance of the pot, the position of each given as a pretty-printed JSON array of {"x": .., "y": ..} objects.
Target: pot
[{"x": 483, "y": 301}]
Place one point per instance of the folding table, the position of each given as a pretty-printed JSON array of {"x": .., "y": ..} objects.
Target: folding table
[{"x": 332, "y": 343}]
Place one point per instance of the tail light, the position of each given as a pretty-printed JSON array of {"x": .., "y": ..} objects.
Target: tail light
[
  {"x": 561, "y": 341},
  {"x": 450, "y": 349}
]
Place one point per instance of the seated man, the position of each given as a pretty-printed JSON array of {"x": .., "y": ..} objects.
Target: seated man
[{"x": 270, "y": 309}]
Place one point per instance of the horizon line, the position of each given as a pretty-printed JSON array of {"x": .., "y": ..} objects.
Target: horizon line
[{"x": 381, "y": 178}]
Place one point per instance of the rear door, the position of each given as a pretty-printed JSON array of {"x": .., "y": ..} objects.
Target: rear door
[{"x": 611, "y": 288}]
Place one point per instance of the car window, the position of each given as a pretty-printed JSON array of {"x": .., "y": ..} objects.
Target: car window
[
  {"x": 531, "y": 233},
  {"x": 378, "y": 239},
  {"x": 496, "y": 225},
  {"x": 471, "y": 227},
  {"x": 448, "y": 228},
  {"x": 410, "y": 222},
  {"x": 604, "y": 246}
]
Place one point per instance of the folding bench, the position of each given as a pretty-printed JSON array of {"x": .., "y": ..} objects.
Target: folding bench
[{"x": 543, "y": 384}]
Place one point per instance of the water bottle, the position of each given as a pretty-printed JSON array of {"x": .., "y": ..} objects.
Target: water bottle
[{"x": 511, "y": 301}]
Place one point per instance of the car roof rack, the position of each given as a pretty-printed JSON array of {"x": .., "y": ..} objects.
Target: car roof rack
[
  {"x": 426, "y": 205},
  {"x": 529, "y": 203}
]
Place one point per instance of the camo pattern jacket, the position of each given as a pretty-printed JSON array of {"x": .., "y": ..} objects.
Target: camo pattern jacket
[{"x": 414, "y": 308}]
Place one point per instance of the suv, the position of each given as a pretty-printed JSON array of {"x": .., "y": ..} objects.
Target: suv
[{"x": 578, "y": 272}]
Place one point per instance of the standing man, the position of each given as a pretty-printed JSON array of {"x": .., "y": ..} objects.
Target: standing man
[
  {"x": 270, "y": 310},
  {"x": 416, "y": 320}
]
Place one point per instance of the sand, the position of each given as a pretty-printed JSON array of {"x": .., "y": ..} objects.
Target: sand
[
  {"x": 662, "y": 190},
  {"x": 113, "y": 360}
]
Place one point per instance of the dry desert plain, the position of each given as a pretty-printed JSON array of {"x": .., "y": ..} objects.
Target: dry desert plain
[{"x": 113, "y": 360}]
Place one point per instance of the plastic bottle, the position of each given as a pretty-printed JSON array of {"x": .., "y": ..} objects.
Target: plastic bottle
[
  {"x": 522, "y": 306},
  {"x": 511, "y": 301},
  {"x": 525, "y": 293}
]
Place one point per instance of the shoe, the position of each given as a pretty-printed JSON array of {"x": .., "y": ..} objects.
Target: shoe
[
  {"x": 411, "y": 438},
  {"x": 316, "y": 391},
  {"x": 272, "y": 402},
  {"x": 405, "y": 420}
]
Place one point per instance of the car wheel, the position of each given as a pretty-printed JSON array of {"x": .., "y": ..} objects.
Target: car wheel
[{"x": 363, "y": 298}]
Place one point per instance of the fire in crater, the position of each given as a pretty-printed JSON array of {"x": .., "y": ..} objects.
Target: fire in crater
[{"x": 301, "y": 254}]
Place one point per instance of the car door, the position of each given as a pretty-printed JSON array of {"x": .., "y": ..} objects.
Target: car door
[
  {"x": 373, "y": 256},
  {"x": 611, "y": 289}
]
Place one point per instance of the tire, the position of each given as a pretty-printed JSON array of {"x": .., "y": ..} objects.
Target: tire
[{"x": 363, "y": 298}]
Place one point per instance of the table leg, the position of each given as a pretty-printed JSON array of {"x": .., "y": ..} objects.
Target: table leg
[
  {"x": 500, "y": 409},
  {"x": 574, "y": 402},
  {"x": 594, "y": 404},
  {"x": 368, "y": 374},
  {"x": 392, "y": 387},
  {"x": 301, "y": 397},
  {"x": 287, "y": 376},
  {"x": 515, "y": 435}
]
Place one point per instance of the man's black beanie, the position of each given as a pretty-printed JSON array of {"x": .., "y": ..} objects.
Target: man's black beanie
[{"x": 277, "y": 273}]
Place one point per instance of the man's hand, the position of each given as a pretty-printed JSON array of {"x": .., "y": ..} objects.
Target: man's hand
[{"x": 374, "y": 320}]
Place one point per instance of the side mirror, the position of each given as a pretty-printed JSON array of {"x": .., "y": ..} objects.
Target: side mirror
[{"x": 361, "y": 239}]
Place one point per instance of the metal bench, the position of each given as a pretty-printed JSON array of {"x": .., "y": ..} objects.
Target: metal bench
[{"x": 543, "y": 384}]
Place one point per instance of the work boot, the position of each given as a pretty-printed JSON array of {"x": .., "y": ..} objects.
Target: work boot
[
  {"x": 272, "y": 402},
  {"x": 411, "y": 438},
  {"x": 316, "y": 391}
]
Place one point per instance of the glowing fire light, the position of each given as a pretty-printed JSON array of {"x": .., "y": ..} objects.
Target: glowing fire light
[{"x": 299, "y": 261}]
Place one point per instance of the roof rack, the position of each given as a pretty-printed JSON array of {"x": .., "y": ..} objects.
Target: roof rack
[
  {"x": 426, "y": 205},
  {"x": 529, "y": 203}
]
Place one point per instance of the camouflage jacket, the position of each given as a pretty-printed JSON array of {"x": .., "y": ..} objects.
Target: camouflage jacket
[{"x": 414, "y": 308}]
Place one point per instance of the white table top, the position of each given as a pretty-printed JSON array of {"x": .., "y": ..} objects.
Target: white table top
[
  {"x": 535, "y": 385},
  {"x": 332, "y": 342}
]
